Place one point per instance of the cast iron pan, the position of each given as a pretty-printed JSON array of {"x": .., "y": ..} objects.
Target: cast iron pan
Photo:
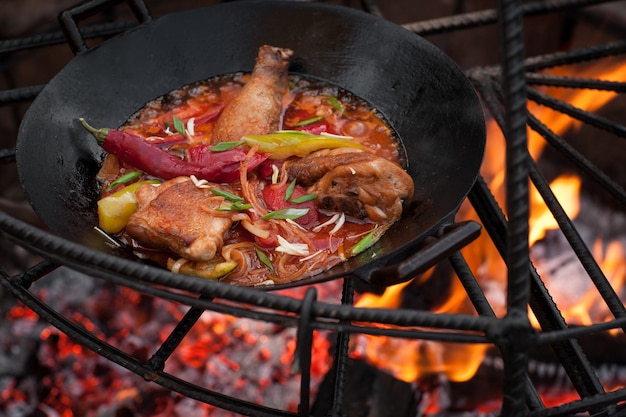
[{"x": 421, "y": 92}]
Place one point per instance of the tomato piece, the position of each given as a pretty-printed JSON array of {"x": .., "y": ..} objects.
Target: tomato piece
[
  {"x": 270, "y": 242},
  {"x": 265, "y": 168},
  {"x": 274, "y": 196}
]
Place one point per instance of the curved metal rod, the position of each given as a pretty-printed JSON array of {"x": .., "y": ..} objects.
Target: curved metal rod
[
  {"x": 88, "y": 340},
  {"x": 152, "y": 280}
]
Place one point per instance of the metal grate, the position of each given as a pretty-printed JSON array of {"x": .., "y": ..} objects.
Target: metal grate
[{"x": 504, "y": 92}]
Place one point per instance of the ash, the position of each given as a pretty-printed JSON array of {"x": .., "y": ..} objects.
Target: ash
[{"x": 44, "y": 373}]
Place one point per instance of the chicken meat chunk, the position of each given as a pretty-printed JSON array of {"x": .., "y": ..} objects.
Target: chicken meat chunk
[
  {"x": 180, "y": 217},
  {"x": 360, "y": 184},
  {"x": 257, "y": 108}
]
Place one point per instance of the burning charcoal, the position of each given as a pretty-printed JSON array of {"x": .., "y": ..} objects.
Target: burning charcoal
[
  {"x": 428, "y": 292},
  {"x": 483, "y": 391},
  {"x": 369, "y": 392}
]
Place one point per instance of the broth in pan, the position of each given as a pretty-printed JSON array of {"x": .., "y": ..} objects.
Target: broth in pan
[{"x": 252, "y": 179}]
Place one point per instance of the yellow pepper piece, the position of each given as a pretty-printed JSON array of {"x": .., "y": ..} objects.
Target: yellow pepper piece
[
  {"x": 115, "y": 209},
  {"x": 202, "y": 270},
  {"x": 305, "y": 148},
  {"x": 286, "y": 143}
]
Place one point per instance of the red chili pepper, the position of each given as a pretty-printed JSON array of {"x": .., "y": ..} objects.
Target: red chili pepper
[
  {"x": 229, "y": 161},
  {"x": 157, "y": 162}
]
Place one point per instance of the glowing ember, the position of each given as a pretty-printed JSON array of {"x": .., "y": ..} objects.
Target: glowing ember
[{"x": 54, "y": 376}]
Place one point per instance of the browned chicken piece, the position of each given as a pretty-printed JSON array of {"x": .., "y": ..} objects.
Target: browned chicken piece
[
  {"x": 360, "y": 184},
  {"x": 180, "y": 217},
  {"x": 313, "y": 167},
  {"x": 257, "y": 108}
]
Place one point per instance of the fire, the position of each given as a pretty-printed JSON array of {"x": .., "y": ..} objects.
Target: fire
[
  {"x": 415, "y": 360},
  {"x": 566, "y": 189},
  {"x": 580, "y": 304}
]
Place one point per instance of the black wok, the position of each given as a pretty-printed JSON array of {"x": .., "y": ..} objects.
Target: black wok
[{"x": 421, "y": 92}]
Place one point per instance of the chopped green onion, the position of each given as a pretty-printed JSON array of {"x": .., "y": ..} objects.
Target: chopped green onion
[
  {"x": 367, "y": 241},
  {"x": 179, "y": 125},
  {"x": 309, "y": 121},
  {"x": 235, "y": 207},
  {"x": 286, "y": 213},
  {"x": 289, "y": 190},
  {"x": 304, "y": 198},
  {"x": 228, "y": 196},
  {"x": 335, "y": 103},
  {"x": 128, "y": 177},
  {"x": 225, "y": 146},
  {"x": 263, "y": 258}
]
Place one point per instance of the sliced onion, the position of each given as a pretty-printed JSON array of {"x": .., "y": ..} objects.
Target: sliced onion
[
  {"x": 332, "y": 135},
  {"x": 291, "y": 222},
  {"x": 257, "y": 231},
  {"x": 178, "y": 264},
  {"x": 328, "y": 222},
  {"x": 340, "y": 221},
  {"x": 275, "y": 173},
  {"x": 191, "y": 130},
  {"x": 297, "y": 249},
  {"x": 313, "y": 255},
  {"x": 264, "y": 283}
]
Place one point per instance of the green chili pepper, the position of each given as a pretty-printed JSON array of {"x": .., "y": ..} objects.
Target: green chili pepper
[{"x": 286, "y": 143}]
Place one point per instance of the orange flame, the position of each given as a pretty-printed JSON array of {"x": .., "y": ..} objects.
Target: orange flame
[
  {"x": 580, "y": 303},
  {"x": 567, "y": 191},
  {"x": 411, "y": 360}
]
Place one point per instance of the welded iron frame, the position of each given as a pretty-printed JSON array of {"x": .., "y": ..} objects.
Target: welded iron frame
[{"x": 504, "y": 91}]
